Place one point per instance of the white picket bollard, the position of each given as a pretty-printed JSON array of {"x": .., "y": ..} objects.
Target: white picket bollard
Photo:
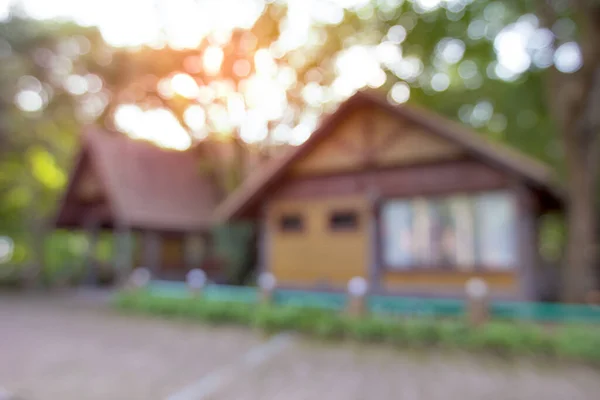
[
  {"x": 477, "y": 301},
  {"x": 139, "y": 278},
  {"x": 357, "y": 292},
  {"x": 267, "y": 284},
  {"x": 196, "y": 280}
]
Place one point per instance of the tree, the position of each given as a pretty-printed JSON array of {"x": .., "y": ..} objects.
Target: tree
[
  {"x": 494, "y": 65},
  {"x": 575, "y": 101},
  {"x": 42, "y": 106}
]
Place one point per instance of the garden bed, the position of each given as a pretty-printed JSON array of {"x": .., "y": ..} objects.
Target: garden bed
[{"x": 569, "y": 342}]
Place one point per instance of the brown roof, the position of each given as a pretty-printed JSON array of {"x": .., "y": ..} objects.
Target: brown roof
[
  {"x": 535, "y": 173},
  {"x": 147, "y": 186}
]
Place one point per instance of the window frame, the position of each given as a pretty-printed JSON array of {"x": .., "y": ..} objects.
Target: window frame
[
  {"x": 344, "y": 228},
  {"x": 475, "y": 268},
  {"x": 280, "y": 221}
]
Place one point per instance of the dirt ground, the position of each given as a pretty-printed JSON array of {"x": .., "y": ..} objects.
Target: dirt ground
[{"x": 72, "y": 347}]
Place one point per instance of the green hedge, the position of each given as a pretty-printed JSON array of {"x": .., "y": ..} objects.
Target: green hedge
[{"x": 502, "y": 338}]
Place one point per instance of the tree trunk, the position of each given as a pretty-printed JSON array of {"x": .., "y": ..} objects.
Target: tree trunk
[
  {"x": 574, "y": 100},
  {"x": 581, "y": 253}
]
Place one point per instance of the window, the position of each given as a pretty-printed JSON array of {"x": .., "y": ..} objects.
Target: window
[
  {"x": 343, "y": 220},
  {"x": 291, "y": 223},
  {"x": 457, "y": 232}
]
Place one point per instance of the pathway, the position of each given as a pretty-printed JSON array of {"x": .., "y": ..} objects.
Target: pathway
[{"x": 71, "y": 348}]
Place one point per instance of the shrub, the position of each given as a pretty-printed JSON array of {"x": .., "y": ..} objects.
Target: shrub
[
  {"x": 330, "y": 327},
  {"x": 373, "y": 329},
  {"x": 579, "y": 343},
  {"x": 501, "y": 338},
  {"x": 422, "y": 332}
]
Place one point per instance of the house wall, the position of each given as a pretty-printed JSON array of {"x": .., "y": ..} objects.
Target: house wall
[
  {"x": 373, "y": 154},
  {"x": 449, "y": 283},
  {"x": 316, "y": 255}
]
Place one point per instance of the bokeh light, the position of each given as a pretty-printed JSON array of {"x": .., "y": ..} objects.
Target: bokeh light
[
  {"x": 567, "y": 57},
  {"x": 184, "y": 85},
  {"x": 6, "y": 249},
  {"x": 29, "y": 101},
  {"x": 257, "y": 86},
  {"x": 400, "y": 92},
  {"x": 195, "y": 117}
]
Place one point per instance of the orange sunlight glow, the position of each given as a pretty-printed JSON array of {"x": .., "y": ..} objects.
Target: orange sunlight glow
[
  {"x": 184, "y": 85},
  {"x": 158, "y": 125},
  {"x": 213, "y": 57},
  {"x": 219, "y": 107}
]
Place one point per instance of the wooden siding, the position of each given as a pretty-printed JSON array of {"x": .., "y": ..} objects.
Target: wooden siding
[
  {"x": 374, "y": 137},
  {"x": 450, "y": 283},
  {"x": 88, "y": 186},
  {"x": 318, "y": 255},
  {"x": 427, "y": 179}
]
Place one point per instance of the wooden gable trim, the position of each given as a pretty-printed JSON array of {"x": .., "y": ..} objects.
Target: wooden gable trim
[
  {"x": 85, "y": 159},
  {"x": 245, "y": 198}
]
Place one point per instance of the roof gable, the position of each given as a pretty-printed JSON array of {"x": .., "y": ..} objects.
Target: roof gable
[
  {"x": 372, "y": 137},
  {"x": 145, "y": 186},
  {"x": 496, "y": 155}
]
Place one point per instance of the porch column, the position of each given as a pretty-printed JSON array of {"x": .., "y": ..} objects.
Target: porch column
[
  {"x": 374, "y": 268},
  {"x": 151, "y": 251},
  {"x": 92, "y": 233},
  {"x": 263, "y": 243},
  {"x": 526, "y": 242},
  {"x": 196, "y": 249},
  {"x": 123, "y": 252}
]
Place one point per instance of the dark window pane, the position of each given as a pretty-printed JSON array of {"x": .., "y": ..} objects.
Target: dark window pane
[
  {"x": 343, "y": 220},
  {"x": 291, "y": 223}
]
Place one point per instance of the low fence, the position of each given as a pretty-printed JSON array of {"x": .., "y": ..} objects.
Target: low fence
[{"x": 386, "y": 304}]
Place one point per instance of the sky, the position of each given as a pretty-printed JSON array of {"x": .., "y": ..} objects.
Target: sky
[{"x": 185, "y": 23}]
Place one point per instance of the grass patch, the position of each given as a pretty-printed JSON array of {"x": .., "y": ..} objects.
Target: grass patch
[{"x": 501, "y": 338}]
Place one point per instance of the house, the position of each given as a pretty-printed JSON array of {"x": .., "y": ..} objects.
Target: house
[
  {"x": 159, "y": 198},
  {"x": 414, "y": 203}
]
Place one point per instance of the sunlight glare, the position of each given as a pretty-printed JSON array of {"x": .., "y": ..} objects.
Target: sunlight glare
[
  {"x": 236, "y": 108},
  {"x": 157, "y": 125},
  {"x": 29, "y": 101},
  {"x": 212, "y": 59},
  {"x": 300, "y": 134},
  {"x": 264, "y": 63},
  {"x": 184, "y": 85},
  {"x": 400, "y": 92},
  {"x": 254, "y": 129},
  {"x": 427, "y": 5},
  {"x": 195, "y": 117},
  {"x": 266, "y": 95},
  {"x": 219, "y": 119}
]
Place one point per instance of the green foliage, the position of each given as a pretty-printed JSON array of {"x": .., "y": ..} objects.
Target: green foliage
[
  {"x": 37, "y": 148},
  {"x": 499, "y": 338},
  {"x": 232, "y": 245},
  {"x": 576, "y": 342}
]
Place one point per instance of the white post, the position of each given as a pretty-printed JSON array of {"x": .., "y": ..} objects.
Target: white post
[
  {"x": 196, "y": 280},
  {"x": 477, "y": 301},
  {"x": 139, "y": 278},
  {"x": 267, "y": 284},
  {"x": 357, "y": 291}
]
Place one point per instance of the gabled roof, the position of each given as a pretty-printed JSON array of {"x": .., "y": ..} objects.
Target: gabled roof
[
  {"x": 533, "y": 172},
  {"x": 147, "y": 186}
]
